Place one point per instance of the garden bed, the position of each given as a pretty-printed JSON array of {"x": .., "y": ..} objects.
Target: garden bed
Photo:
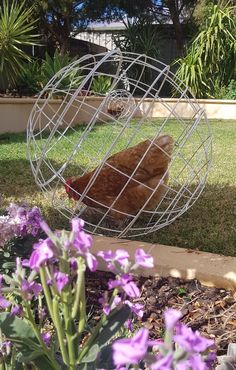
[{"x": 210, "y": 310}]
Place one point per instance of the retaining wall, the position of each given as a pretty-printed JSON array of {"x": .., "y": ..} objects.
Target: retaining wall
[{"x": 14, "y": 112}]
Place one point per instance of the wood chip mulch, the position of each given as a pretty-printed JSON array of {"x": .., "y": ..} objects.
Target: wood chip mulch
[{"x": 211, "y": 311}]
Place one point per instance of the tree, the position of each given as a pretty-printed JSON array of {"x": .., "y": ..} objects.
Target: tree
[
  {"x": 59, "y": 19},
  {"x": 210, "y": 63},
  {"x": 160, "y": 11}
]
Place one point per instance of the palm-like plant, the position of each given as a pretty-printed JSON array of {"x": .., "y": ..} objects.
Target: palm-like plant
[
  {"x": 51, "y": 65},
  {"x": 101, "y": 85},
  {"x": 210, "y": 63},
  {"x": 16, "y": 30}
]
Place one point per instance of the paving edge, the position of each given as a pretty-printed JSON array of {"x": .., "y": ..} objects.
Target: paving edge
[{"x": 210, "y": 269}]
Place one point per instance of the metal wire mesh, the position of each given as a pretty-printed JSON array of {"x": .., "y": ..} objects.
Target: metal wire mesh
[{"x": 70, "y": 122}]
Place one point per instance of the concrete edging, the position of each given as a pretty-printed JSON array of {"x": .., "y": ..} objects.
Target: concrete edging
[
  {"x": 14, "y": 112},
  {"x": 210, "y": 269}
]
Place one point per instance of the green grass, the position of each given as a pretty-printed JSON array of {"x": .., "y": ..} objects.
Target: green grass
[{"x": 210, "y": 225}]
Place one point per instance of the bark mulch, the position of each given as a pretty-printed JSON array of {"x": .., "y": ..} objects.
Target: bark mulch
[{"x": 211, "y": 311}]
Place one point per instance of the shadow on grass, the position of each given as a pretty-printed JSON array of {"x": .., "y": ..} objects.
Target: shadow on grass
[
  {"x": 210, "y": 225},
  {"x": 21, "y": 137}
]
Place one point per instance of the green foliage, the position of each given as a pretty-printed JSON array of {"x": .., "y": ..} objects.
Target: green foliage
[
  {"x": 231, "y": 90},
  {"x": 52, "y": 65},
  {"x": 58, "y": 20},
  {"x": 29, "y": 82},
  {"x": 101, "y": 85},
  {"x": 210, "y": 63},
  {"x": 25, "y": 341},
  {"x": 15, "y": 32},
  {"x": 139, "y": 36},
  {"x": 102, "y": 342}
]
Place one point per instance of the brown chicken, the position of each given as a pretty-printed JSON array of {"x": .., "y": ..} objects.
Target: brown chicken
[{"x": 127, "y": 179}]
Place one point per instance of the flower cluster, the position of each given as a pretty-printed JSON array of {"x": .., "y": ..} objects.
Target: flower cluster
[
  {"x": 73, "y": 245},
  {"x": 182, "y": 349},
  {"x": 51, "y": 285},
  {"x": 119, "y": 263},
  {"x": 19, "y": 221}
]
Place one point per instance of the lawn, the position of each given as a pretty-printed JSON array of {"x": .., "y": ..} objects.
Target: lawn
[{"x": 210, "y": 225}]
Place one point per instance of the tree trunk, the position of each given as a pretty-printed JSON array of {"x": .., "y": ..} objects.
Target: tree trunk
[{"x": 174, "y": 14}]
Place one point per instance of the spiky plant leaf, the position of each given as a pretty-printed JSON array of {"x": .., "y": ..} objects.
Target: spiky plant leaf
[{"x": 15, "y": 31}]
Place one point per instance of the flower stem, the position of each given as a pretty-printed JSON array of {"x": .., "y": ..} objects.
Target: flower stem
[
  {"x": 59, "y": 329},
  {"x": 79, "y": 288},
  {"x": 46, "y": 291},
  {"x": 96, "y": 330},
  {"x": 71, "y": 334},
  {"x": 38, "y": 335}
]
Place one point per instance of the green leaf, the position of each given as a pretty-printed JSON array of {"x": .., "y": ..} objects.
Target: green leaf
[
  {"x": 20, "y": 332},
  {"x": 114, "y": 323},
  {"x": 106, "y": 359},
  {"x": 92, "y": 354},
  {"x": 16, "y": 27}
]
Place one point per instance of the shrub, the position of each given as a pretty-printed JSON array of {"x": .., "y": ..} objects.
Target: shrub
[
  {"x": 15, "y": 32},
  {"x": 29, "y": 82},
  {"x": 52, "y": 65},
  {"x": 101, "y": 85},
  {"x": 231, "y": 90},
  {"x": 210, "y": 62}
]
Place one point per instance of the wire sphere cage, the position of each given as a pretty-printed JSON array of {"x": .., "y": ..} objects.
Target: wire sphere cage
[{"x": 124, "y": 158}]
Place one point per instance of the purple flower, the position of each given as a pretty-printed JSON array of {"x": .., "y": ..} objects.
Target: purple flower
[
  {"x": 129, "y": 287},
  {"x": 131, "y": 351},
  {"x": 73, "y": 264},
  {"x": 16, "y": 310},
  {"x": 171, "y": 317},
  {"x": 164, "y": 363},
  {"x": 194, "y": 362},
  {"x": 33, "y": 220},
  {"x": 77, "y": 225},
  {"x": 210, "y": 360},
  {"x": 44, "y": 226},
  {"x": 26, "y": 219},
  {"x": 42, "y": 252},
  {"x": 5, "y": 348},
  {"x": 1, "y": 279},
  {"x": 136, "y": 308},
  {"x": 191, "y": 341},
  {"x": 4, "y": 303},
  {"x": 143, "y": 259},
  {"x": 30, "y": 290},
  {"x": 106, "y": 306},
  {"x": 131, "y": 290},
  {"x": 91, "y": 261},
  {"x": 8, "y": 230},
  {"x": 120, "y": 256},
  {"x": 122, "y": 280},
  {"x": 46, "y": 337},
  {"x": 82, "y": 242},
  {"x": 61, "y": 280},
  {"x": 129, "y": 325}
]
